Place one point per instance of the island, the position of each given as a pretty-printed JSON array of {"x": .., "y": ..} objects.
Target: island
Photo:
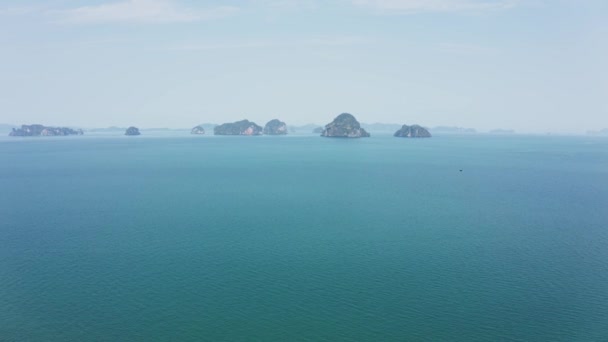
[
  {"x": 303, "y": 128},
  {"x": 344, "y": 126},
  {"x": 107, "y": 129},
  {"x": 40, "y": 130},
  {"x": 198, "y": 130},
  {"x": 380, "y": 127},
  {"x": 413, "y": 131},
  {"x": 132, "y": 131},
  {"x": 453, "y": 130},
  {"x": 275, "y": 127},
  {"x": 603, "y": 132},
  {"x": 243, "y": 127},
  {"x": 318, "y": 130},
  {"x": 502, "y": 131}
]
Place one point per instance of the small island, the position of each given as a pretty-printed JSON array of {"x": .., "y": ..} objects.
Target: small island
[
  {"x": 198, "y": 130},
  {"x": 243, "y": 127},
  {"x": 317, "y": 130},
  {"x": 344, "y": 126},
  {"x": 40, "y": 130},
  {"x": 132, "y": 131},
  {"x": 413, "y": 131},
  {"x": 275, "y": 127}
]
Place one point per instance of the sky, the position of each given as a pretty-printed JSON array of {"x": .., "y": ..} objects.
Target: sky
[{"x": 527, "y": 65}]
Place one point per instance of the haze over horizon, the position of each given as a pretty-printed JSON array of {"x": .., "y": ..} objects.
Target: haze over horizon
[{"x": 531, "y": 66}]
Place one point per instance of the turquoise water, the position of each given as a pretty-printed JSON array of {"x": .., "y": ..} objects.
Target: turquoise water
[{"x": 304, "y": 238}]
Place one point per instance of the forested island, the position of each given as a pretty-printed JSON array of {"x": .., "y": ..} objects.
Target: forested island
[
  {"x": 132, "y": 131},
  {"x": 275, "y": 127},
  {"x": 344, "y": 125},
  {"x": 413, "y": 131},
  {"x": 40, "y": 130},
  {"x": 243, "y": 127},
  {"x": 198, "y": 130}
]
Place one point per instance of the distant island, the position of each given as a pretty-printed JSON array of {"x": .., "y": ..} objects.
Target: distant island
[
  {"x": 243, "y": 127},
  {"x": 275, "y": 127},
  {"x": 413, "y": 131},
  {"x": 344, "y": 126},
  {"x": 40, "y": 130},
  {"x": 107, "y": 129},
  {"x": 318, "y": 130},
  {"x": 303, "y": 128},
  {"x": 132, "y": 131},
  {"x": 380, "y": 127},
  {"x": 600, "y": 132},
  {"x": 502, "y": 131},
  {"x": 198, "y": 130},
  {"x": 453, "y": 130}
]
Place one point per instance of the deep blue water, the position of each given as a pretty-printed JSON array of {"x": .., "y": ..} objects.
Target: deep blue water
[{"x": 304, "y": 238}]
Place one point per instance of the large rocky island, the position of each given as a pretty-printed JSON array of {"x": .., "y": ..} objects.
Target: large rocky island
[
  {"x": 243, "y": 127},
  {"x": 344, "y": 126},
  {"x": 132, "y": 131},
  {"x": 413, "y": 131},
  {"x": 275, "y": 127},
  {"x": 40, "y": 130}
]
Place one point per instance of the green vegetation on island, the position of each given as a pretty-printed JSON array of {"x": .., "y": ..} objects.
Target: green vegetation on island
[
  {"x": 198, "y": 130},
  {"x": 243, "y": 127},
  {"x": 275, "y": 127},
  {"x": 413, "y": 131},
  {"x": 132, "y": 131},
  {"x": 40, "y": 130},
  {"x": 344, "y": 126}
]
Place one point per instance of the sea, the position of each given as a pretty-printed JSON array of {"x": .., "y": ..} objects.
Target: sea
[{"x": 174, "y": 237}]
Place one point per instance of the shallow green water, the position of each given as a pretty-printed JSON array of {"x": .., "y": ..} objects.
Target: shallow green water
[{"x": 304, "y": 238}]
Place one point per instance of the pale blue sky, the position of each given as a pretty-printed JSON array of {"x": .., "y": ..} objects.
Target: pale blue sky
[{"x": 528, "y": 65}]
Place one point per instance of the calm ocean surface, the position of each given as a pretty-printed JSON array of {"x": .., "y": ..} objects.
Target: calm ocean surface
[{"x": 177, "y": 238}]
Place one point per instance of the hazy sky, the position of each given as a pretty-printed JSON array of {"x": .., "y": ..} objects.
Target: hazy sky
[{"x": 529, "y": 65}]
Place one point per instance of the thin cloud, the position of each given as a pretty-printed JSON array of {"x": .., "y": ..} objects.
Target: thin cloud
[
  {"x": 141, "y": 11},
  {"x": 220, "y": 46},
  {"x": 338, "y": 40},
  {"x": 414, "y": 6},
  {"x": 288, "y": 4},
  {"x": 465, "y": 49},
  {"x": 21, "y": 10},
  {"x": 327, "y": 41}
]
